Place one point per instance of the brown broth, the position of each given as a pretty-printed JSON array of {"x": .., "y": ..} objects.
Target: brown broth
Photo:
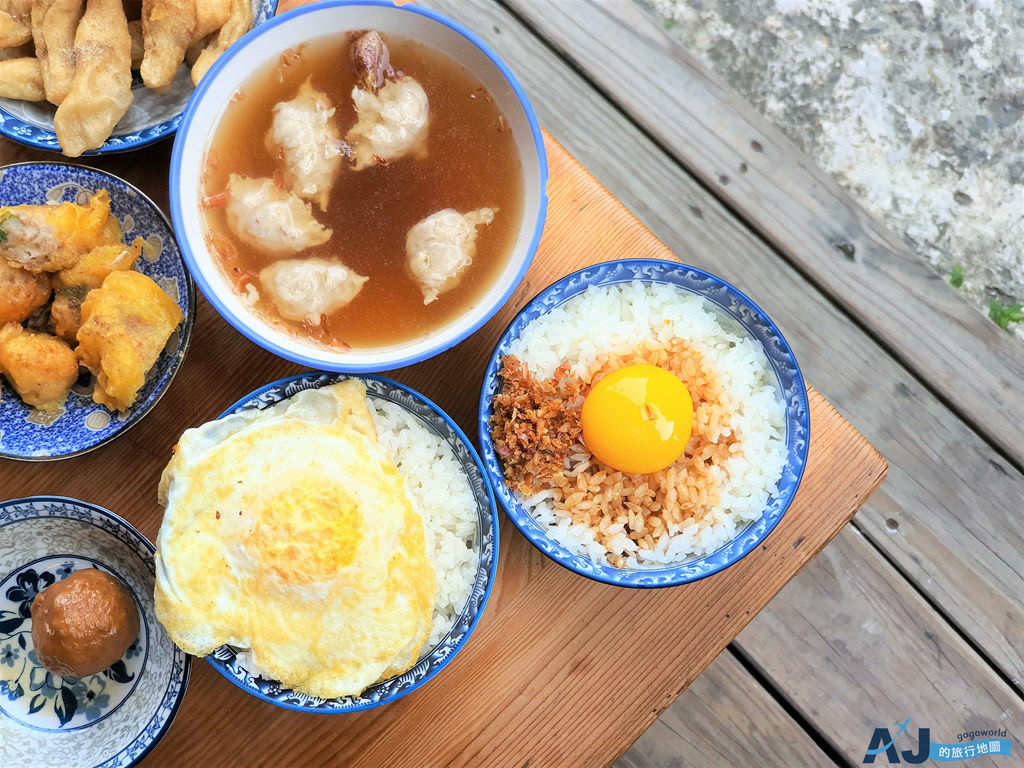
[{"x": 471, "y": 162}]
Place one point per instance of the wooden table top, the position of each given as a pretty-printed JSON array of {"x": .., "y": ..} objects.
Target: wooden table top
[{"x": 560, "y": 670}]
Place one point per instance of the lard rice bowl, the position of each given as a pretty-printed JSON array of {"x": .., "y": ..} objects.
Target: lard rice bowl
[
  {"x": 328, "y": 537},
  {"x": 639, "y": 425}
]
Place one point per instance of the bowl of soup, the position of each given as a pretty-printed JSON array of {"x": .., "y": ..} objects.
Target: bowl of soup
[{"x": 357, "y": 186}]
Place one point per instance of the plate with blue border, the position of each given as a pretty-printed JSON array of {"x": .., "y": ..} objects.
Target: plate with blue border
[
  {"x": 82, "y": 425},
  {"x": 151, "y": 117},
  {"x": 736, "y": 309},
  {"x": 115, "y": 717},
  {"x": 230, "y": 662}
]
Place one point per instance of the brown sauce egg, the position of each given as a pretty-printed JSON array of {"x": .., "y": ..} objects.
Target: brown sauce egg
[{"x": 83, "y": 624}]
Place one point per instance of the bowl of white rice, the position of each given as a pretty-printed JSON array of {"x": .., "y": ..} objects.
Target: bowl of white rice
[
  {"x": 742, "y": 462},
  {"x": 445, "y": 481}
]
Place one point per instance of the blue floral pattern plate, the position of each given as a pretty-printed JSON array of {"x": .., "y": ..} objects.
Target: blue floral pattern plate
[
  {"x": 228, "y": 660},
  {"x": 81, "y": 424},
  {"x": 745, "y": 312},
  {"x": 110, "y": 719},
  {"x": 151, "y": 117}
]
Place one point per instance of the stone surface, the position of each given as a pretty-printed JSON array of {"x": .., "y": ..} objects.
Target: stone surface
[{"x": 915, "y": 107}]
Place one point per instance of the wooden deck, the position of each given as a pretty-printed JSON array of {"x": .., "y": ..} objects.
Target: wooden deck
[{"x": 915, "y": 609}]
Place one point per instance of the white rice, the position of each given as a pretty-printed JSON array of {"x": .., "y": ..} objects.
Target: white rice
[
  {"x": 614, "y": 320},
  {"x": 440, "y": 492}
]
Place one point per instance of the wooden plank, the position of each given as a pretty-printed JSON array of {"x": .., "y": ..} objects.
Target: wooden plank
[
  {"x": 796, "y": 207},
  {"x": 724, "y": 719},
  {"x": 555, "y": 654},
  {"x": 912, "y": 666},
  {"x": 948, "y": 514}
]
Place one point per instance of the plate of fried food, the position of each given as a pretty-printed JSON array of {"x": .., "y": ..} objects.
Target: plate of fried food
[
  {"x": 96, "y": 308},
  {"x": 101, "y": 76}
]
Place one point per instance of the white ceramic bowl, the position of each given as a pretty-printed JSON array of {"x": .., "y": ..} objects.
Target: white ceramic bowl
[{"x": 334, "y": 17}]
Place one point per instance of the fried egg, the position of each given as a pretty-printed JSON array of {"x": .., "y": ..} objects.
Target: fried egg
[{"x": 288, "y": 531}]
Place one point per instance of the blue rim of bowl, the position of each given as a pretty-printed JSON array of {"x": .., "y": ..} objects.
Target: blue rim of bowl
[
  {"x": 492, "y": 571},
  {"x": 30, "y": 135},
  {"x": 186, "y": 665},
  {"x": 184, "y": 334},
  {"x": 645, "y": 578},
  {"x": 207, "y": 288}
]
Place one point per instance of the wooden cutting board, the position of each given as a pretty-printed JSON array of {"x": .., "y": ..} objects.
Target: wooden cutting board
[{"x": 560, "y": 670}]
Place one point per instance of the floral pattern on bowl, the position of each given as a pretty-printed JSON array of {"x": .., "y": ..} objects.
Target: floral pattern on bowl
[
  {"x": 111, "y": 719},
  {"x": 35, "y": 696},
  {"x": 230, "y": 661},
  {"x": 151, "y": 117},
  {"x": 734, "y": 305},
  {"x": 82, "y": 425}
]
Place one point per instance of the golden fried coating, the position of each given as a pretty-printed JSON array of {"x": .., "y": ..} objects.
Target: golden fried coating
[
  {"x": 21, "y": 292},
  {"x": 21, "y": 79},
  {"x": 169, "y": 28},
  {"x": 238, "y": 23},
  {"x": 40, "y": 367},
  {"x": 53, "y": 29},
  {"x": 66, "y": 312},
  {"x": 93, "y": 268},
  {"x": 15, "y": 22},
  {"x": 125, "y": 325},
  {"x": 48, "y": 238},
  {"x": 102, "y": 89}
]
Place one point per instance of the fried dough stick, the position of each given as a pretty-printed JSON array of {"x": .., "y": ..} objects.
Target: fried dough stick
[
  {"x": 238, "y": 24},
  {"x": 21, "y": 79},
  {"x": 102, "y": 90},
  {"x": 169, "y": 28},
  {"x": 15, "y": 22},
  {"x": 53, "y": 30}
]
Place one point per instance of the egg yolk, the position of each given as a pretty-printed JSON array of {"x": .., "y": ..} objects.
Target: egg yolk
[{"x": 638, "y": 419}]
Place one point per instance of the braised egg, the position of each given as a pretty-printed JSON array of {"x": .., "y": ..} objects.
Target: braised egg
[{"x": 638, "y": 419}]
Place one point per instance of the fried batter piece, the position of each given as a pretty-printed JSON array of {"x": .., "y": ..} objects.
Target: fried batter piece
[
  {"x": 93, "y": 268},
  {"x": 169, "y": 28},
  {"x": 125, "y": 325},
  {"x": 54, "y": 23},
  {"x": 15, "y": 22},
  {"x": 21, "y": 292},
  {"x": 48, "y": 238},
  {"x": 66, "y": 312},
  {"x": 21, "y": 79},
  {"x": 40, "y": 367},
  {"x": 238, "y": 23},
  {"x": 102, "y": 89}
]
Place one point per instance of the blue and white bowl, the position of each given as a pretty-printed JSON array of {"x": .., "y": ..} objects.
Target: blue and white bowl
[
  {"x": 230, "y": 662},
  {"x": 151, "y": 117},
  {"x": 309, "y": 22},
  {"x": 81, "y": 425},
  {"x": 744, "y": 312},
  {"x": 110, "y": 719}
]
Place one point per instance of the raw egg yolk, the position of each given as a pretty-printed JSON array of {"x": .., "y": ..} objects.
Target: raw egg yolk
[{"x": 638, "y": 419}]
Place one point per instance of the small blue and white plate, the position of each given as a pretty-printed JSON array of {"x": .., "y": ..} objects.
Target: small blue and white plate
[
  {"x": 151, "y": 117},
  {"x": 742, "y": 311},
  {"x": 229, "y": 661},
  {"x": 81, "y": 425},
  {"x": 110, "y": 719}
]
